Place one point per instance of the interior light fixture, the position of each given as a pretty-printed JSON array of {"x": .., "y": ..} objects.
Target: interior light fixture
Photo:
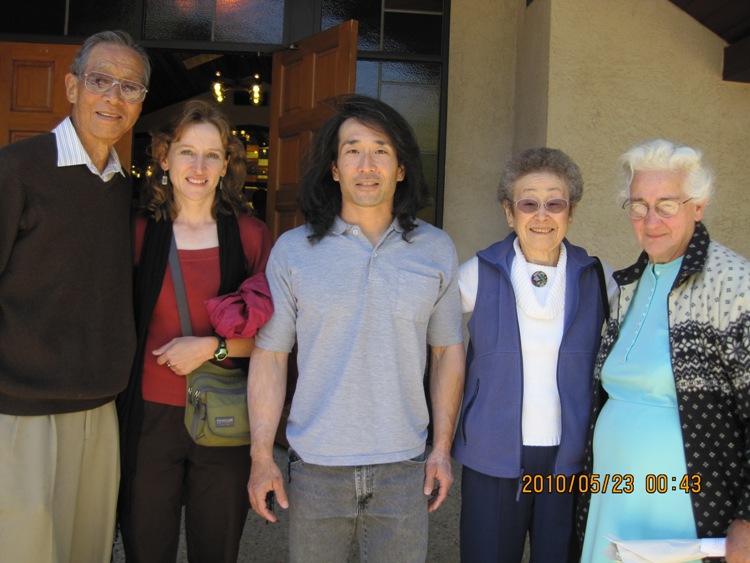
[
  {"x": 255, "y": 95},
  {"x": 217, "y": 88},
  {"x": 255, "y": 91}
]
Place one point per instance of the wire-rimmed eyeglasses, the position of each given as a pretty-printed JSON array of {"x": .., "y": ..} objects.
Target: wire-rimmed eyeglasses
[
  {"x": 664, "y": 208},
  {"x": 101, "y": 83}
]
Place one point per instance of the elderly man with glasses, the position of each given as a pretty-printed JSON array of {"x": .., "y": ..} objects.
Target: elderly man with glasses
[{"x": 66, "y": 316}]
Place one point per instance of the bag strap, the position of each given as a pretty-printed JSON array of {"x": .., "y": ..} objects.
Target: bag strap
[
  {"x": 602, "y": 286},
  {"x": 179, "y": 290}
]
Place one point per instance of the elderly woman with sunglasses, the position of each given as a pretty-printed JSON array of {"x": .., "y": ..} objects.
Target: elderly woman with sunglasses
[
  {"x": 671, "y": 415},
  {"x": 538, "y": 305}
]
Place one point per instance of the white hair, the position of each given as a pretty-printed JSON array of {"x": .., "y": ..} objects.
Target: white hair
[{"x": 663, "y": 155}]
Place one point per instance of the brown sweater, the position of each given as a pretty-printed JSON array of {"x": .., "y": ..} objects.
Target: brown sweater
[{"x": 67, "y": 333}]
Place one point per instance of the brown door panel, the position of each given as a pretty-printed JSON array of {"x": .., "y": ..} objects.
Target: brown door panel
[{"x": 305, "y": 80}]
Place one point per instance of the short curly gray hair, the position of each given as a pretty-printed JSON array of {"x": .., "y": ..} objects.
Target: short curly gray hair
[{"x": 542, "y": 159}]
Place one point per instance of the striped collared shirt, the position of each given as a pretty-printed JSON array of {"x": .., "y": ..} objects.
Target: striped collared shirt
[{"x": 70, "y": 152}]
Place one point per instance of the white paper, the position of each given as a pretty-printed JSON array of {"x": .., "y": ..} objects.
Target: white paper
[
  {"x": 714, "y": 547},
  {"x": 663, "y": 551}
]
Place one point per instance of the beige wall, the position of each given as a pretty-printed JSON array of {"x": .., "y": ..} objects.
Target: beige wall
[
  {"x": 481, "y": 95},
  {"x": 532, "y": 76},
  {"x": 591, "y": 78}
]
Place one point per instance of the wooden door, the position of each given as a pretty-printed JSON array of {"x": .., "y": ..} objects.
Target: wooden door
[
  {"x": 322, "y": 67},
  {"x": 32, "y": 92}
]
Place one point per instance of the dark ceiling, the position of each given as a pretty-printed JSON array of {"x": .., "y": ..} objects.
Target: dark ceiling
[
  {"x": 730, "y": 20},
  {"x": 178, "y": 76}
]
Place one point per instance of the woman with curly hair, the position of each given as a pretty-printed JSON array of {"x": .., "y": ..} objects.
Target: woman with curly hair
[{"x": 198, "y": 202}]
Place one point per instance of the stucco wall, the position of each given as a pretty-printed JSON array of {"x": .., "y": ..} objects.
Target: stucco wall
[
  {"x": 623, "y": 71},
  {"x": 591, "y": 78},
  {"x": 532, "y": 75},
  {"x": 481, "y": 96}
]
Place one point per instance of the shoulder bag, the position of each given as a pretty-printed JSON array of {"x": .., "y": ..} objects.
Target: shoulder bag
[{"x": 216, "y": 403}]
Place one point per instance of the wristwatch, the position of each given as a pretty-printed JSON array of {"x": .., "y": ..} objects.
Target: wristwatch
[{"x": 221, "y": 352}]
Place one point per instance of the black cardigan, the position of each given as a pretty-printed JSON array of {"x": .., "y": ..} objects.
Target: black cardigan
[{"x": 149, "y": 277}]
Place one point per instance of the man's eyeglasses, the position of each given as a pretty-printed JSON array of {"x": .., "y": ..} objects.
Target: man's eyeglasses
[
  {"x": 532, "y": 206},
  {"x": 665, "y": 208},
  {"x": 100, "y": 83}
]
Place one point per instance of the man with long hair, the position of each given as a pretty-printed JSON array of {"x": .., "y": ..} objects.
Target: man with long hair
[{"x": 363, "y": 288}]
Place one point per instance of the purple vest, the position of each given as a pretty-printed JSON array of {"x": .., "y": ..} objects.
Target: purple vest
[{"x": 488, "y": 438}]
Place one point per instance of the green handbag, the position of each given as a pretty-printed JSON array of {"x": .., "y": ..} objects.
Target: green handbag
[{"x": 216, "y": 406}]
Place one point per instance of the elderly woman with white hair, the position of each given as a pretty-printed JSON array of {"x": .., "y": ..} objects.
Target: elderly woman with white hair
[{"x": 668, "y": 454}]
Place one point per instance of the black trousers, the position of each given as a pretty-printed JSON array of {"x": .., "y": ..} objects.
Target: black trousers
[
  {"x": 171, "y": 470},
  {"x": 496, "y": 514}
]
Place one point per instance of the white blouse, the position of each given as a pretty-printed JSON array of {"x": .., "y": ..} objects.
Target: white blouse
[{"x": 541, "y": 314}]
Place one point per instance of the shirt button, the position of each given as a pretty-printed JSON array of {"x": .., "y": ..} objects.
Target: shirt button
[{"x": 355, "y": 231}]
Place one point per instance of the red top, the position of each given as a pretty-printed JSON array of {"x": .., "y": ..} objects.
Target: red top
[{"x": 200, "y": 272}]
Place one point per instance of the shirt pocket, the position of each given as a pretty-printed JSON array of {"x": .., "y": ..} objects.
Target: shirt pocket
[{"x": 416, "y": 296}]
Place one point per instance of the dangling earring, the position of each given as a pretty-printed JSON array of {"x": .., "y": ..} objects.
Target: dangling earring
[
  {"x": 165, "y": 179},
  {"x": 221, "y": 182}
]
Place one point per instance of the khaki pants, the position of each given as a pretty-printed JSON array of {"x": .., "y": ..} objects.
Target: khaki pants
[{"x": 59, "y": 476}]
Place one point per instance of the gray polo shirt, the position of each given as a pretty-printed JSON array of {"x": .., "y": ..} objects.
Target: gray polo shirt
[{"x": 362, "y": 317}]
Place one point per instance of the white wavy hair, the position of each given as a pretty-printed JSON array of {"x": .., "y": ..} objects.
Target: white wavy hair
[{"x": 664, "y": 155}]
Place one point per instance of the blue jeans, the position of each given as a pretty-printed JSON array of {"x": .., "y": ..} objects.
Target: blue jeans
[{"x": 384, "y": 505}]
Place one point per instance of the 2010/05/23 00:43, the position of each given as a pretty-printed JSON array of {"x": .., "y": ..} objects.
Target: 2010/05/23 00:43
[{"x": 614, "y": 483}]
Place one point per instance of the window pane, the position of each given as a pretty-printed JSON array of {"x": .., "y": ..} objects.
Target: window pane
[
  {"x": 179, "y": 19},
  {"x": 366, "y": 12},
  {"x": 45, "y": 17},
  {"x": 368, "y": 78},
  {"x": 412, "y": 73},
  {"x": 412, "y": 33},
  {"x": 250, "y": 21},
  {"x": 87, "y": 16},
  {"x": 420, "y": 104},
  {"x": 414, "y": 90}
]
